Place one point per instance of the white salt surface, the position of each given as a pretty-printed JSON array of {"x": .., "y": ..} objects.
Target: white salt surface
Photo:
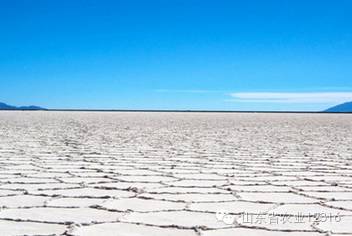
[{"x": 168, "y": 174}]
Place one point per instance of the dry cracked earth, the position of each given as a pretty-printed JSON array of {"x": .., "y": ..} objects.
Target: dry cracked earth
[{"x": 167, "y": 174}]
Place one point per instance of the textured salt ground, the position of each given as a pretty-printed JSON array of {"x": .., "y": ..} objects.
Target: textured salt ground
[{"x": 134, "y": 174}]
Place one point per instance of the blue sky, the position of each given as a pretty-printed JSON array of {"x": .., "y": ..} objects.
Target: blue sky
[{"x": 190, "y": 54}]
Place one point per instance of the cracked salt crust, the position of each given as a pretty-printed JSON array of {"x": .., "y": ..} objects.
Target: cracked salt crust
[
  {"x": 30, "y": 228},
  {"x": 74, "y": 202},
  {"x": 256, "y": 232},
  {"x": 142, "y": 205},
  {"x": 123, "y": 229},
  {"x": 234, "y": 207},
  {"x": 191, "y": 197},
  {"x": 134, "y": 174},
  {"x": 84, "y": 192},
  {"x": 277, "y": 197},
  {"x": 307, "y": 209},
  {"x": 333, "y": 227},
  {"x": 21, "y": 201},
  {"x": 183, "y": 219},
  {"x": 60, "y": 215}
]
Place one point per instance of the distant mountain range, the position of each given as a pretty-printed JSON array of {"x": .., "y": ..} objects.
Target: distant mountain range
[
  {"x": 4, "y": 106},
  {"x": 344, "y": 107}
]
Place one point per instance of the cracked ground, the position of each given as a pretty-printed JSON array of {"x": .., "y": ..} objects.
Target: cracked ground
[{"x": 166, "y": 174}]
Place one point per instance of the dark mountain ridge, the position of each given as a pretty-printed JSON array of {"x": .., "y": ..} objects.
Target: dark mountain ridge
[
  {"x": 344, "y": 107},
  {"x": 4, "y": 106}
]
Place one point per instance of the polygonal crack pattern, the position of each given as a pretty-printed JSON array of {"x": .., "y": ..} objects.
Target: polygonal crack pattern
[{"x": 101, "y": 173}]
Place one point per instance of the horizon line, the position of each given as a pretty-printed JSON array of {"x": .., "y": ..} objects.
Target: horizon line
[{"x": 176, "y": 110}]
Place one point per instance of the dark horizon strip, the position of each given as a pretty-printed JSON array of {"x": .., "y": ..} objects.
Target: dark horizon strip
[{"x": 177, "y": 111}]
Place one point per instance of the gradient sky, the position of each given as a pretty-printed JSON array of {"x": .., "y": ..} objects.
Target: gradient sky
[{"x": 217, "y": 55}]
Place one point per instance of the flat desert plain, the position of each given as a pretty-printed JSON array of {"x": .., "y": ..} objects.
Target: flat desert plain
[{"x": 167, "y": 174}]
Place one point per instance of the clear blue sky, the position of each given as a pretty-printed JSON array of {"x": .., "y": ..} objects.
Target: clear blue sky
[{"x": 232, "y": 55}]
